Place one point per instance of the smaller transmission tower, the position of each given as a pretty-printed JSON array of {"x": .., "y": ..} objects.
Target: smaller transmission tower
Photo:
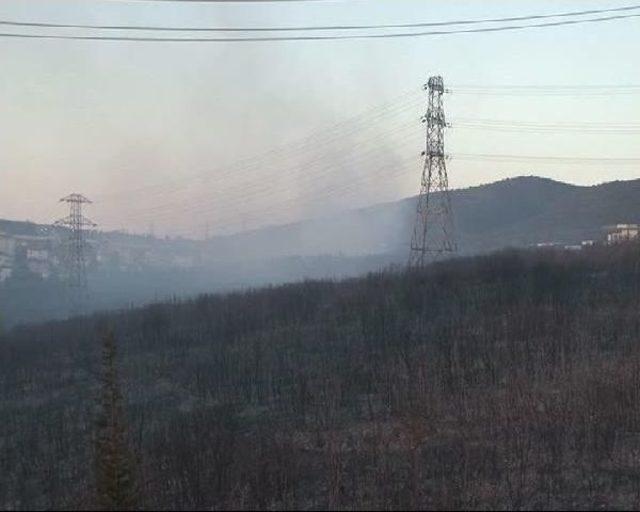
[
  {"x": 433, "y": 228},
  {"x": 75, "y": 253}
]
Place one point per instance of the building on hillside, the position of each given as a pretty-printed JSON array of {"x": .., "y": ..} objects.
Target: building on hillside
[
  {"x": 7, "y": 256},
  {"x": 38, "y": 253},
  {"x": 122, "y": 254},
  {"x": 620, "y": 233},
  {"x": 34, "y": 252}
]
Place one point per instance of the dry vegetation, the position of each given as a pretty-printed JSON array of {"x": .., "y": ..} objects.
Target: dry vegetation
[{"x": 502, "y": 382}]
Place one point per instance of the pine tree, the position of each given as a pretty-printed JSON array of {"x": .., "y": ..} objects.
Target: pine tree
[{"x": 114, "y": 463}]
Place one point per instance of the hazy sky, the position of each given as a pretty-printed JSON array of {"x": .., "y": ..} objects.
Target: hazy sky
[{"x": 180, "y": 137}]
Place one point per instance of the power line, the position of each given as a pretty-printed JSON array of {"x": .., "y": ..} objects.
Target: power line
[
  {"x": 293, "y": 150},
  {"x": 253, "y": 189},
  {"x": 252, "y": 193},
  {"x": 542, "y": 159},
  {"x": 395, "y": 35},
  {"x": 584, "y": 124},
  {"x": 545, "y": 87},
  {"x": 327, "y": 136},
  {"x": 316, "y": 28},
  {"x": 219, "y": 1},
  {"x": 318, "y": 196},
  {"x": 516, "y": 129},
  {"x": 307, "y": 177},
  {"x": 530, "y": 127},
  {"x": 575, "y": 93}
]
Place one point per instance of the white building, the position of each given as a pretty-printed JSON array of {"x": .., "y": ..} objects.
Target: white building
[
  {"x": 34, "y": 251},
  {"x": 620, "y": 233},
  {"x": 5, "y": 273},
  {"x": 7, "y": 256},
  {"x": 7, "y": 244}
]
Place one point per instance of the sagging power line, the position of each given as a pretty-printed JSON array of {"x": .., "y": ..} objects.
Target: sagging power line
[
  {"x": 335, "y": 37},
  {"x": 307, "y": 28},
  {"x": 503, "y": 125},
  {"x": 310, "y": 154},
  {"x": 312, "y": 177},
  {"x": 543, "y": 159}
]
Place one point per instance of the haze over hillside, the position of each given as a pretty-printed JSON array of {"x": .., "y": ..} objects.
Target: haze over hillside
[
  {"x": 133, "y": 269},
  {"x": 514, "y": 212}
]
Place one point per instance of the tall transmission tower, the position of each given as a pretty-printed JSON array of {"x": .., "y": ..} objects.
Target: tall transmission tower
[
  {"x": 433, "y": 228},
  {"x": 76, "y": 261}
]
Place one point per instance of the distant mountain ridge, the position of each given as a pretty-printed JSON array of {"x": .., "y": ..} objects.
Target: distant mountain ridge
[
  {"x": 528, "y": 210},
  {"x": 513, "y": 212},
  {"x": 135, "y": 269}
]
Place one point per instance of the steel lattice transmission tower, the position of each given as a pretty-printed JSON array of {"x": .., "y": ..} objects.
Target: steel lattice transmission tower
[
  {"x": 433, "y": 228},
  {"x": 76, "y": 245}
]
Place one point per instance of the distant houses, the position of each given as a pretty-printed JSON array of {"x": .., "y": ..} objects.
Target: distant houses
[
  {"x": 7, "y": 256},
  {"x": 620, "y": 233},
  {"x": 41, "y": 251},
  {"x": 38, "y": 254},
  {"x": 614, "y": 234}
]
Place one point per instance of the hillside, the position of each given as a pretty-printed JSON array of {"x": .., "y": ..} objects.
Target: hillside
[
  {"x": 514, "y": 212},
  {"x": 498, "y": 382},
  {"x": 510, "y": 213}
]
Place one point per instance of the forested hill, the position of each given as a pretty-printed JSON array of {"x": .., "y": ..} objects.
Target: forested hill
[
  {"x": 514, "y": 212},
  {"x": 510, "y": 213},
  {"x": 135, "y": 270},
  {"x": 505, "y": 381}
]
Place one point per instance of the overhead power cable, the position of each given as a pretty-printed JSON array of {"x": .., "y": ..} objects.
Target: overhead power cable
[
  {"x": 394, "y": 35},
  {"x": 542, "y": 159},
  {"x": 317, "y": 28},
  {"x": 219, "y": 1},
  {"x": 545, "y": 87},
  {"x": 303, "y": 175},
  {"x": 326, "y": 137},
  {"x": 519, "y": 126},
  {"x": 578, "y": 124},
  {"x": 548, "y": 92},
  {"x": 517, "y": 129}
]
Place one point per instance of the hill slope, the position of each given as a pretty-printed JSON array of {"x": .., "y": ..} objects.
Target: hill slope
[
  {"x": 513, "y": 212},
  {"x": 501, "y": 382},
  {"x": 516, "y": 212}
]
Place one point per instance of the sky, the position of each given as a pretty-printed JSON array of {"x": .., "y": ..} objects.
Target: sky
[{"x": 198, "y": 139}]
